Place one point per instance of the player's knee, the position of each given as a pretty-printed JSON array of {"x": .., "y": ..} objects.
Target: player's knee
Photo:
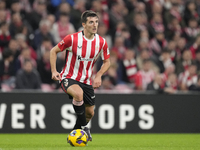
[{"x": 78, "y": 96}]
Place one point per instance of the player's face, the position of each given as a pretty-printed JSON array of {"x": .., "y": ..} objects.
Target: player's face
[{"x": 91, "y": 25}]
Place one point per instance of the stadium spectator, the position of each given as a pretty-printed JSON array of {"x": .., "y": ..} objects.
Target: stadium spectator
[
  {"x": 109, "y": 80},
  {"x": 156, "y": 85},
  {"x": 185, "y": 62},
  {"x": 28, "y": 77},
  {"x": 197, "y": 61},
  {"x": 76, "y": 11},
  {"x": 157, "y": 44},
  {"x": 26, "y": 6},
  {"x": 195, "y": 87},
  {"x": 17, "y": 8},
  {"x": 51, "y": 18},
  {"x": 64, "y": 7},
  {"x": 190, "y": 11},
  {"x": 117, "y": 13},
  {"x": 128, "y": 67},
  {"x": 173, "y": 28},
  {"x": 17, "y": 25},
  {"x": 164, "y": 60},
  {"x": 7, "y": 68},
  {"x": 97, "y": 6},
  {"x": 123, "y": 31},
  {"x": 23, "y": 43},
  {"x": 103, "y": 31},
  {"x": 41, "y": 33},
  {"x": 39, "y": 12},
  {"x": 170, "y": 69},
  {"x": 190, "y": 77},
  {"x": 44, "y": 68},
  {"x": 46, "y": 45},
  {"x": 119, "y": 47},
  {"x": 4, "y": 37},
  {"x": 4, "y": 12},
  {"x": 192, "y": 30},
  {"x": 14, "y": 47},
  {"x": 156, "y": 24},
  {"x": 180, "y": 47},
  {"x": 171, "y": 47},
  {"x": 26, "y": 55},
  {"x": 144, "y": 54},
  {"x": 171, "y": 85},
  {"x": 138, "y": 25},
  {"x": 143, "y": 44},
  {"x": 62, "y": 28},
  {"x": 144, "y": 76}
]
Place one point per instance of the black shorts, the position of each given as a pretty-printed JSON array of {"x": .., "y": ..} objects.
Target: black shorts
[{"x": 88, "y": 91}]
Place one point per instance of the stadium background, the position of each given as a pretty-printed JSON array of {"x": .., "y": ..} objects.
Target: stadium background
[{"x": 152, "y": 85}]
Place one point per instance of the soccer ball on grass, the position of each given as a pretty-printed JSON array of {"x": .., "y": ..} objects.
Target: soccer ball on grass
[{"x": 77, "y": 137}]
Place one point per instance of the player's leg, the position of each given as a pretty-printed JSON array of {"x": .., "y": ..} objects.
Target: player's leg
[
  {"x": 78, "y": 104},
  {"x": 72, "y": 88},
  {"x": 89, "y": 113},
  {"x": 89, "y": 100}
]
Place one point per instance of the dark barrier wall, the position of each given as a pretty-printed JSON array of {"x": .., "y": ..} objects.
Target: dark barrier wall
[{"x": 114, "y": 113}]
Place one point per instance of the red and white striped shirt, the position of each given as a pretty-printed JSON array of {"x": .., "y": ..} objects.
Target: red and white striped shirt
[{"x": 82, "y": 53}]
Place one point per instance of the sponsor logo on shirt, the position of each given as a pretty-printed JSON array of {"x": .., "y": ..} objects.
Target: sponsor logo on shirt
[
  {"x": 96, "y": 48},
  {"x": 84, "y": 59},
  {"x": 79, "y": 47}
]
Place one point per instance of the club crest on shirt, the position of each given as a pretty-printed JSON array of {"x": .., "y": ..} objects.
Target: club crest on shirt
[
  {"x": 65, "y": 82},
  {"x": 96, "y": 48},
  {"x": 62, "y": 42}
]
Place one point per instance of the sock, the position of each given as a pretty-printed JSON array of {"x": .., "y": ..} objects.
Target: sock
[
  {"x": 77, "y": 125},
  {"x": 79, "y": 108}
]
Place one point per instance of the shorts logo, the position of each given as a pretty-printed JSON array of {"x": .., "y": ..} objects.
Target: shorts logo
[
  {"x": 93, "y": 97},
  {"x": 65, "y": 82}
]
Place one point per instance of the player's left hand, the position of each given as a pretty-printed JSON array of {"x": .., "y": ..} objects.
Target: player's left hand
[{"x": 97, "y": 82}]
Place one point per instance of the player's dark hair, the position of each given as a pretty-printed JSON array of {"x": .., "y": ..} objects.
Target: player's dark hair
[{"x": 88, "y": 13}]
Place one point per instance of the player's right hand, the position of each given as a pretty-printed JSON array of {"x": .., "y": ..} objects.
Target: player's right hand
[{"x": 56, "y": 76}]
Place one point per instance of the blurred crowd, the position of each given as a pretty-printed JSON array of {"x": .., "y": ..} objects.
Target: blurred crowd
[{"x": 154, "y": 44}]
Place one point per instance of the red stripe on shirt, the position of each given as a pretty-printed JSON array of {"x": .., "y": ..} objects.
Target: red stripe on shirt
[
  {"x": 73, "y": 60},
  {"x": 65, "y": 64},
  {"x": 84, "y": 47}
]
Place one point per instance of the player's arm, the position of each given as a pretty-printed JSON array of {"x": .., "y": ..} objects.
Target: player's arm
[
  {"x": 104, "y": 68},
  {"x": 53, "y": 57},
  {"x": 61, "y": 46},
  {"x": 106, "y": 64}
]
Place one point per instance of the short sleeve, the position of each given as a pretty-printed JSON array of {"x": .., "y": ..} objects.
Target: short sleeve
[
  {"x": 65, "y": 43},
  {"x": 105, "y": 53}
]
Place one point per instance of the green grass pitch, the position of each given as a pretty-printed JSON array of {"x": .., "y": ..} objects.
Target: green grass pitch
[{"x": 102, "y": 142}]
